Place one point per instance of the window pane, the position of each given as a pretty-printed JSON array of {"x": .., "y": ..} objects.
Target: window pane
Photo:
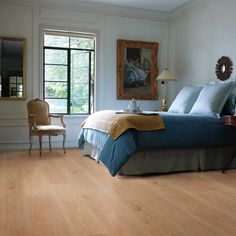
[
  {"x": 80, "y": 58},
  {"x": 80, "y": 75},
  {"x": 80, "y": 98},
  {"x": 55, "y": 73},
  {"x": 80, "y": 106},
  {"x": 56, "y": 41},
  {"x": 79, "y": 66},
  {"x": 80, "y": 91},
  {"x": 82, "y": 43},
  {"x": 55, "y": 90},
  {"x": 80, "y": 81},
  {"x": 57, "y": 105},
  {"x": 53, "y": 56},
  {"x": 92, "y": 66}
]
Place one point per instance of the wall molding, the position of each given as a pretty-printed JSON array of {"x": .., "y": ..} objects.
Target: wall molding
[
  {"x": 72, "y": 16},
  {"x": 94, "y": 8},
  {"x": 14, "y": 133},
  {"x": 13, "y": 122},
  {"x": 100, "y": 9}
]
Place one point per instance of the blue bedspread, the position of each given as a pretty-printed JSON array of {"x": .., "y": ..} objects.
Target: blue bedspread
[{"x": 181, "y": 131}]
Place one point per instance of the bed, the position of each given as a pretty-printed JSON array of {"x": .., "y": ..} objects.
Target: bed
[{"x": 189, "y": 141}]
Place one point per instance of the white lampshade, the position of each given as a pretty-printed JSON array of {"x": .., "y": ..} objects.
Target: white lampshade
[{"x": 165, "y": 75}]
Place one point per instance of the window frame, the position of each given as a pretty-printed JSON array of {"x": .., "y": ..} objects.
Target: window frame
[{"x": 91, "y": 91}]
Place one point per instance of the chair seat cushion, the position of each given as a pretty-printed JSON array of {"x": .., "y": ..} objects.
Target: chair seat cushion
[
  {"x": 49, "y": 130},
  {"x": 50, "y": 127}
]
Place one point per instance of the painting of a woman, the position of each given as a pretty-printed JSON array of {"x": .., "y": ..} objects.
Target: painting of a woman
[{"x": 137, "y": 69}]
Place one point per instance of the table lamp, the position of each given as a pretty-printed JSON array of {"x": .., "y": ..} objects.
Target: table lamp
[{"x": 165, "y": 76}]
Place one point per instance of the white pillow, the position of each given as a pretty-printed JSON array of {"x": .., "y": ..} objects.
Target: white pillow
[
  {"x": 212, "y": 99},
  {"x": 185, "y": 99}
]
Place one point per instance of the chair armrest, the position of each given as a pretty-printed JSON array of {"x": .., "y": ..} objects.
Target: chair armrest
[{"x": 58, "y": 116}]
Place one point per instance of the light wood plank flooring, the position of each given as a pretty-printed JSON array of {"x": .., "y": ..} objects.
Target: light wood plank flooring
[{"x": 71, "y": 194}]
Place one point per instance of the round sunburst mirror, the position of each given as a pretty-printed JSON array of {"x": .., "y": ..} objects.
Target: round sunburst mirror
[{"x": 224, "y": 68}]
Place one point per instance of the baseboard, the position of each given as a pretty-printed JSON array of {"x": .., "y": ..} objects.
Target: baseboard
[{"x": 25, "y": 145}]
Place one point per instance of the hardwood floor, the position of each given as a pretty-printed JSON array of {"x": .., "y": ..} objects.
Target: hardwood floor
[{"x": 71, "y": 194}]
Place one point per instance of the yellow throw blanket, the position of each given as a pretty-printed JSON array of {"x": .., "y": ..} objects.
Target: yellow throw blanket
[{"x": 116, "y": 124}]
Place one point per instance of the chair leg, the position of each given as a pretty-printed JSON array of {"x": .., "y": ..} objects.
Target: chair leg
[
  {"x": 40, "y": 145},
  {"x": 50, "y": 146},
  {"x": 30, "y": 148},
  {"x": 64, "y": 140}
]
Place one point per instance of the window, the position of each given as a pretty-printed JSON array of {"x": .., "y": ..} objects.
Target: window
[{"x": 68, "y": 76}]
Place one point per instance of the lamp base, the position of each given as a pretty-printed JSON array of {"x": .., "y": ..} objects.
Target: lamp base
[
  {"x": 164, "y": 108},
  {"x": 164, "y": 104}
]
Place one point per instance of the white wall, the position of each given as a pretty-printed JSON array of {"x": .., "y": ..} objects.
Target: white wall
[
  {"x": 15, "y": 21},
  {"x": 130, "y": 29},
  {"x": 27, "y": 20},
  {"x": 200, "y": 36}
]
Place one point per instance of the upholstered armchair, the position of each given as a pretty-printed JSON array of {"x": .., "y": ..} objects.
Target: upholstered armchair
[{"x": 39, "y": 120}]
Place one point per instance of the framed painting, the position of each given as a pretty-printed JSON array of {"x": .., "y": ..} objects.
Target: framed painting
[{"x": 137, "y": 69}]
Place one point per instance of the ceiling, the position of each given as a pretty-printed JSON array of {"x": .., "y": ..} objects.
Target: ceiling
[{"x": 155, "y": 5}]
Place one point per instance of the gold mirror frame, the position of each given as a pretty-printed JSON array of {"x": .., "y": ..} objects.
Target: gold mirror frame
[
  {"x": 12, "y": 68},
  {"x": 224, "y": 68}
]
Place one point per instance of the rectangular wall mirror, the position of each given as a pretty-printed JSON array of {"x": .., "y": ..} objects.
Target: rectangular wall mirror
[{"x": 12, "y": 68}]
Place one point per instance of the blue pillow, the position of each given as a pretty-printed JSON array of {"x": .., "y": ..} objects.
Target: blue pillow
[
  {"x": 229, "y": 107},
  {"x": 185, "y": 99},
  {"x": 211, "y": 99}
]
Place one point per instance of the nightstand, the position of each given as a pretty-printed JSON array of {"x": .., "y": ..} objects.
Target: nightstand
[{"x": 231, "y": 122}]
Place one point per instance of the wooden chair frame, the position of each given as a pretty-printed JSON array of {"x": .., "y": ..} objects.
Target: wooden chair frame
[{"x": 40, "y": 125}]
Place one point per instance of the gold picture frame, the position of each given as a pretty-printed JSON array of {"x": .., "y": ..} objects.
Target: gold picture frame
[{"x": 137, "y": 69}]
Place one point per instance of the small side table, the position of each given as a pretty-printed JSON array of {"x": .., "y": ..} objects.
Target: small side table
[{"x": 231, "y": 122}]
